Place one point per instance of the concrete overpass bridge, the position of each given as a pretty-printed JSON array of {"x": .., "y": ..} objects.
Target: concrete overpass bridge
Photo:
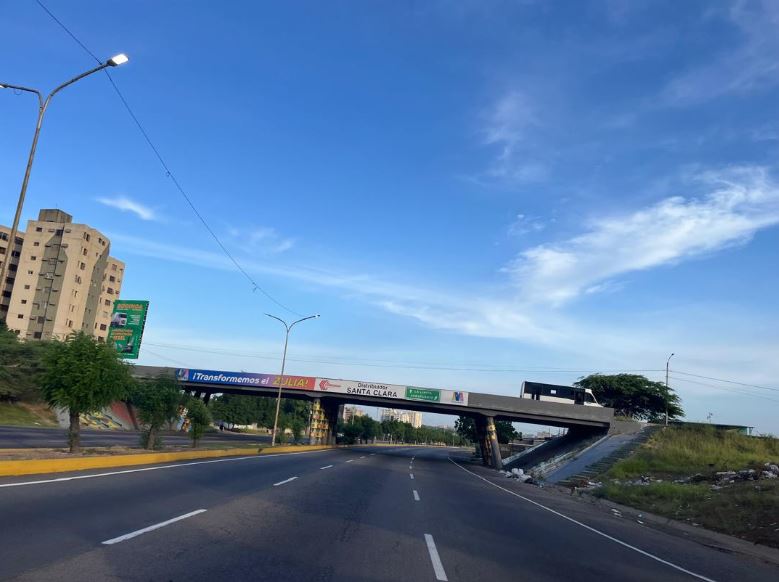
[{"x": 328, "y": 394}]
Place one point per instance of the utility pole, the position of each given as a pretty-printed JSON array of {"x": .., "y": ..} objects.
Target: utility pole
[
  {"x": 288, "y": 327},
  {"x": 43, "y": 105},
  {"x": 667, "y": 367}
]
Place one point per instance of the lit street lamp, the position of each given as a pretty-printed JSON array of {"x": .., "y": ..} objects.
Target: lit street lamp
[
  {"x": 667, "y": 365},
  {"x": 43, "y": 104},
  {"x": 288, "y": 327}
]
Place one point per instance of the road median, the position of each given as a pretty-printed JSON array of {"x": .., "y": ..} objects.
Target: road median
[{"x": 14, "y": 468}]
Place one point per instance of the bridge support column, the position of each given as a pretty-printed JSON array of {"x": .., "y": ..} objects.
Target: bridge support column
[
  {"x": 482, "y": 440},
  {"x": 206, "y": 398},
  {"x": 492, "y": 436},
  {"x": 318, "y": 423},
  {"x": 331, "y": 413}
]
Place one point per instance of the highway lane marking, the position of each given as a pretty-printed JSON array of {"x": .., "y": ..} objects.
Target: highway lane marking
[
  {"x": 438, "y": 567},
  {"x": 416, "y": 495},
  {"x": 371, "y": 454},
  {"x": 285, "y": 481},
  {"x": 587, "y": 527},
  {"x": 350, "y": 460},
  {"x": 155, "y": 468},
  {"x": 411, "y": 475},
  {"x": 325, "y": 467},
  {"x": 362, "y": 457},
  {"x": 138, "y": 532}
]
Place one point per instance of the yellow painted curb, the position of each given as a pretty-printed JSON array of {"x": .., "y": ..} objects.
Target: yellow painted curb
[{"x": 34, "y": 466}]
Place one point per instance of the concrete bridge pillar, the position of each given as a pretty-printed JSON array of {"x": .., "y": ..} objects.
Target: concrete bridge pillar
[
  {"x": 481, "y": 440},
  {"x": 492, "y": 437},
  {"x": 331, "y": 413}
]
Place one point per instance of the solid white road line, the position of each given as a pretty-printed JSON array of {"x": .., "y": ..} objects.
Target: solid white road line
[
  {"x": 416, "y": 495},
  {"x": 411, "y": 475},
  {"x": 438, "y": 567},
  {"x": 285, "y": 481},
  {"x": 587, "y": 527},
  {"x": 155, "y": 468},
  {"x": 325, "y": 467},
  {"x": 138, "y": 532}
]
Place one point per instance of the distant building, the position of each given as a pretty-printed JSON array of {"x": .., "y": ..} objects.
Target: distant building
[
  {"x": 350, "y": 412},
  {"x": 60, "y": 279},
  {"x": 411, "y": 417}
]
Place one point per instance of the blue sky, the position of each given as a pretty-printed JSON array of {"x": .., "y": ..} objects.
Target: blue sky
[{"x": 470, "y": 193}]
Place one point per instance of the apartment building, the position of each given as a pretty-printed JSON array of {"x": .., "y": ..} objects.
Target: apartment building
[
  {"x": 10, "y": 253},
  {"x": 412, "y": 417},
  {"x": 65, "y": 280}
]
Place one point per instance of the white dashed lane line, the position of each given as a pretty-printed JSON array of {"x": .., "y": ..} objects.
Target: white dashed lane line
[
  {"x": 284, "y": 482},
  {"x": 138, "y": 532},
  {"x": 411, "y": 475},
  {"x": 438, "y": 567},
  {"x": 325, "y": 467},
  {"x": 350, "y": 460},
  {"x": 416, "y": 495}
]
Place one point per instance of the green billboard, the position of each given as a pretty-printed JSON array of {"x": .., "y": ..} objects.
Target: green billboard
[
  {"x": 126, "y": 329},
  {"x": 426, "y": 394}
]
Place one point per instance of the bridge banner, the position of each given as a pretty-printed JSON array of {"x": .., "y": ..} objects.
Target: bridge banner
[
  {"x": 244, "y": 379},
  {"x": 359, "y": 388},
  {"x": 391, "y": 391}
]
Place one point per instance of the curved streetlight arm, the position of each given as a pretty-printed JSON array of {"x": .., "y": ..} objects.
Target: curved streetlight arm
[
  {"x": 42, "y": 106},
  {"x": 284, "y": 323},
  {"x": 26, "y": 89},
  {"x": 304, "y": 319}
]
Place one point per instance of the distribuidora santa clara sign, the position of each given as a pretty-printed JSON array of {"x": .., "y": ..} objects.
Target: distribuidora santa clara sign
[{"x": 325, "y": 385}]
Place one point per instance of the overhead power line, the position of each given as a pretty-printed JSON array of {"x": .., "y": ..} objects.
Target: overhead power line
[
  {"x": 370, "y": 363},
  {"x": 724, "y": 389},
  {"x": 726, "y": 381},
  {"x": 168, "y": 172}
]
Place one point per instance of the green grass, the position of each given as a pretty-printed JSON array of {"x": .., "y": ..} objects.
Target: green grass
[
  {"x": 17, "y": 414},
  {"x": 684, "y": 451},
  {"x": 749, "y": 510}
]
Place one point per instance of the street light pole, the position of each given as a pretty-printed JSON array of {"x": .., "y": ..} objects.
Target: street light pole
[
  {"x": 43, "y": 105},
  {"x": 288, "y": 328},
  {"x": 667, "y": 366}
]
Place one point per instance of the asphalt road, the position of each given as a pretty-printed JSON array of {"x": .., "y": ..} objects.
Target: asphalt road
[
  {"x": 16, "y": 437},
  {"x": 337, "y": 515}
]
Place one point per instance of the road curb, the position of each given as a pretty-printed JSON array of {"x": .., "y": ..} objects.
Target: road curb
[{"x": 36, "y": 466}]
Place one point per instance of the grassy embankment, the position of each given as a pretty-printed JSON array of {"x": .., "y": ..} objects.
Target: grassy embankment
[
  {"x": 26, "y": 414},
  {"x": 746, "y": 509}
]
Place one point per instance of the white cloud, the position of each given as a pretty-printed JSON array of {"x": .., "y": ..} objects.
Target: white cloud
[
  {"x": 523, "y": 224},
  {"x": 738, "y": 203},
  {"x": 127, "y": 205},
  {"x": 508, "y": 125},
  {"x": 261, "y": 238},
  {"x": 753, "y": 64}
]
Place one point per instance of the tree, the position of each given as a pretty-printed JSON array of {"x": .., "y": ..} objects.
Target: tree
[
  {"x": 21, "y": 367},
  {"x": 505, "y": 431},
  {"x": 466, "y": 428},
  {"x": 633, "y": 395},
  {"x": 157, "y": 402},
  {"x": 83, "y": 375},
  {"x": 199, "y": 418}
]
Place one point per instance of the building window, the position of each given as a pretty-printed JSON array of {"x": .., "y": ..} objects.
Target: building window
[
  {"x": 110, "y": 291},
  {"x": 20, "y": 316},
  {"x": 112, "y": 278},
  {"x": 30, "y": 272},
  {"x": 26, "y": 286},
  {"x": 2, "y": 250},
  {"x": 102, "y": 327},
  {"x": 13, "y": 267},
  {"x": 82, "y": 266},
  {"x": 107, "y": 303},
  {"x": 113, "y": 267},
  {"x": 24, "y": 302},
  {"x": 38, "y": 229},
  {"x": 84, "y": 252},
  {"x": 36, "y": 244},
  {"x": 6, "y": 293},
  {"x": 33, "y": 257},
  {"x": 36, "y": 335},
  {"x": 3, "y": 236}
]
